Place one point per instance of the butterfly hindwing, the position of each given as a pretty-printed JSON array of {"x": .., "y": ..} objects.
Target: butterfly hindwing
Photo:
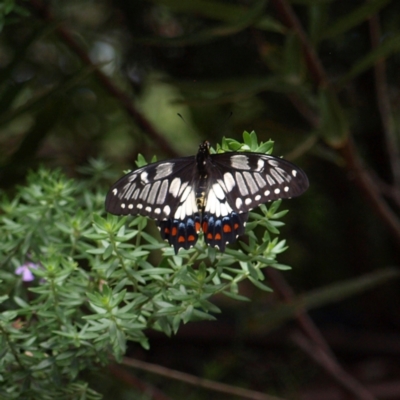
[
  {"x": 181, "y": 233},
  {"x": 219, "y": 231}
]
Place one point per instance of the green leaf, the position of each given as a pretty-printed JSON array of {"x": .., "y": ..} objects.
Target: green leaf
[
  {"x": 354, "y": 18},
  {"x": 318, "y": 15},
  {"x": 260, "y": 285},
  {"x": 281, "y": 267},
  {"x": 227, "y": 12},
  {"x": 235, "y": 296},
  {"x": 203, "y": 316},
  {"x": 391, "y": 45},
  {"x": 293, "y": 64},
  {"x": 187, "y": 314},
  {"x": 334, "y": 128}
]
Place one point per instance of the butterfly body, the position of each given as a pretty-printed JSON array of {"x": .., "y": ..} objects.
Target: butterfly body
[{"x": 212, "y": 193}]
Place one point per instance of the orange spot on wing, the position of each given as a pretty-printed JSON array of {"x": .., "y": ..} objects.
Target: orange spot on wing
[
  {"x": 205, "y": 227},
  {"x": 191, "y": 238},
  {"x": 181, "y": 239},
  {"x": 209, "y": 236},
  {"x": 197, "y": 226},
  {"x": 236, "y": 226},
  {"x": 167, "y": 231},
  {"x": 174, "y": 231},
  {"x": 217, "y": 236},
  {"x": 227, "y": 229}
]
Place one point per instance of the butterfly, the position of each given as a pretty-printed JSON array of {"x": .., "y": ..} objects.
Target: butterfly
[{"x": 212, "y": 193}]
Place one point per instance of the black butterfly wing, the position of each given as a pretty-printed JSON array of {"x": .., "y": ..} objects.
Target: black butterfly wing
[
  {"x": 157, "y": 190},
  {"x": 239, "y": 182},
  {"x": 251, "y": 179},
  {"x": 164, "y": 191}
]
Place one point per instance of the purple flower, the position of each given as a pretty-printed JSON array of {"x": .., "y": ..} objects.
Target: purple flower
[{"x": 25, "y": 271}]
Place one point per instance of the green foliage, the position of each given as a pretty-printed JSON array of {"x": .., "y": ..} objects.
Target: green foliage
[
  {"x": 96, "y": 284},
  {"x": 9, "y": 12}
]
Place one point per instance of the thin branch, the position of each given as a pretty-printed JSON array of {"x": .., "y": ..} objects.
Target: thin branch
[
  {"x": 306, "y": 324},
  {"x": 389, "y": 191},
  {"x": 323, "y": 353},
  {"x": 392, "y": 145},
  {"x": 196, "y": 381},
  {"x": 289, "y": 18},
  {"x": 113, "y": 90},
  {"x": 132, "y": 381},
  {"x": 334, "y": 369},
  {"x": 367, "y": 185}
]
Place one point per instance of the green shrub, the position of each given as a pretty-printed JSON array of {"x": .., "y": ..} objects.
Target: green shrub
[{"x": 78, "y": 284}]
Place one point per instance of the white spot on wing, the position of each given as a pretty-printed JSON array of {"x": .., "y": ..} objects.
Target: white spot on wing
[
  {"x": 145, "y": 192},
  {"x": 157, "y": 210},
  {"x": 178, "y": 213},
  {"x": 277, "y": 176},
  {"x": 128, "y": 194},
  {"x": 242, "y": 186},
  {"x": 247, "y": 201},
  {"x": 174, "y": 187},
  {"x": 217, "y": 208},
  {"x": 270, "y": 180},
  {"x": 124, "y": 190},
  {"x": 260, "y": 180},
  {"x": 136, "y": 194},
  {"x": 286, "y": 189},
  {"x": 266, "y": 193},
  {"x": 191, "y": 206},
  {"x": 167, "y": 210},
  {"x": 238, "y": 202},
  {"x": 284, "y": 174},
  {"x": 139, "y": 206},
  {"x": 122, "y": 205},
  {"x": 294, "y": 173},
  {"x": 115, "y": 191},
  {"x": 251, "y": 183},
  {"x": 183, "y": 187},
  {"x": 186, "y": 194},
  {"x": 240, "y": 161},
  {"x": 273, "y": 163},
  {"x": 163, "y": 170},
  {"x": 144, "y": 177},
  {"x": 210, "y": 202},
  {"x": 222, "y": 184},
  {"x": 224, "y": 209},
  {"x": 148, "y": 209},
  {"x": 229, "y": 181},
  {"x": 277, "y": 191},
  {"x": 163, "y": 192},
  {"x": 260, "y": 164},
  {"x": 130, "y": 206},
  {"x": 132, "y": 177},
  {"x": 258, "y": 197},
  {"x": 218, "y": 191},
  {"x": 153, "y": 192}
]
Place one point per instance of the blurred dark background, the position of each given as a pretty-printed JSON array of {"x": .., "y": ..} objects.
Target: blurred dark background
[{"x": 83, "y": 79}]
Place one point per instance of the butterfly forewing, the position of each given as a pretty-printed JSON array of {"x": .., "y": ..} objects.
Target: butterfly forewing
[
  {"x": 251, "y": 179},
  {"x": 156, "y": 190}
]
